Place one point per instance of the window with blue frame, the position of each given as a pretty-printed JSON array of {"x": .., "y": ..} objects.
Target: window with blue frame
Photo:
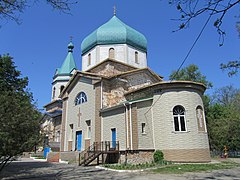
[{"x": 80, "y": 98}]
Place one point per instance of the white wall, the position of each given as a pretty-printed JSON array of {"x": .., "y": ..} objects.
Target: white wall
[
  {"x": 115, "y": 119},
  {"x": 123, "y": 53},
  {"x": 144, "y": 115},
  {"x": 57, "y": 87},
  {"x": 58, "y": 82},
  {"x": 87, "y": 110},
  {"x": 165, "y": 136}
]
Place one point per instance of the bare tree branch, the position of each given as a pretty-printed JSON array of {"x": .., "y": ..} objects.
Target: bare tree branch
[
  {"x": 232, "y": 67},
  {"x": 11, "y": 9},
  {"x": 190, "y": 9}
]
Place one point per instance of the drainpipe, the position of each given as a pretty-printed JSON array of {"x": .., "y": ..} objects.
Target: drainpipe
[
  {"x": 101, "y": 102},
  {"x": 153, "y": 131},
  {"x": 130, "y": 118},
  {"x": 126, "y": 127}
]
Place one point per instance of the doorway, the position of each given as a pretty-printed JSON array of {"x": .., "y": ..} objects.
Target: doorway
[
  {"x": 79, "y": 140},
  {"x": 114, "y": 137}
]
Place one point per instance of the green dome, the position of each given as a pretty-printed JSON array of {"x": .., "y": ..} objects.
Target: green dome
[
  {"x": 69, "y": 64},
  {"x": 114, "y": 32}
]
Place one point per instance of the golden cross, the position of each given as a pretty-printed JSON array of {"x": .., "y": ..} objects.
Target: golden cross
[{"x": 114, "y": 10}]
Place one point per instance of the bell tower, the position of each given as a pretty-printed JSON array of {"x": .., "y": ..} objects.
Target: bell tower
[{"x": 63, "y": 74}]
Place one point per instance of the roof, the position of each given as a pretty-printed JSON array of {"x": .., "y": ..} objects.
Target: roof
[
  {"x": 74, "y": 78},
  {"x": 138, "y": 70},
  {"x": 109, "y": 60},
  {"x": 69, "y": 64},
  {"x": 55, "y": 113},
  {"x": 114, "y": 32},
  {"x": 172, "y": 84},
  {"x": 131, "y": 69},
  {"x": 53, "y": 102}
]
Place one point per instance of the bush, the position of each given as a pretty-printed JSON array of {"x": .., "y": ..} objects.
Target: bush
[{"x": 158, "y": 156}]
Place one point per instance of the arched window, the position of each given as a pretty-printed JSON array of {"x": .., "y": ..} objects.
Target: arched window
[
  {"x": 200, "y": 118},
  {"x": 111, "y": 53},
  {"x": 54, "y": 92},
  {"x": 136, "y": 57},
  {"x": 80, "y": 98},
  {"x": 61, "y": 88},
  {"x": 89, "y": 59},
  {"x": 179, "y": 118}
]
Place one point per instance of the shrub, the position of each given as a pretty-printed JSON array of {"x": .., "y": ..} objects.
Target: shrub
[{"x": 158, "y": 156}]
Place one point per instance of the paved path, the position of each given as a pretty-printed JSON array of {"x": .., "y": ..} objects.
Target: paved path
[{"x": 29, "y": 169}]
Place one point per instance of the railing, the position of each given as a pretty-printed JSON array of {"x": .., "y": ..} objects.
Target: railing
[
  {"x": 97, "y": 148},
  {"x": 233, "y": 154}
]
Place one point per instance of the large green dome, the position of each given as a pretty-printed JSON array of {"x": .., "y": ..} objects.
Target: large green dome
[{"x": 114, "y": 32}]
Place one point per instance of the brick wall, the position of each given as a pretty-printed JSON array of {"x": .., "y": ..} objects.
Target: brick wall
[
  {"x": 97, "y": 114},
  {"x": 134, "y": 127},
  {"x": 187, "y": 155},
  {"x": 136, "y": 157}
]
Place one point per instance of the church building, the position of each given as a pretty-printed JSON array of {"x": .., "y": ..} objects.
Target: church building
[{"x": 117, "y": 103}]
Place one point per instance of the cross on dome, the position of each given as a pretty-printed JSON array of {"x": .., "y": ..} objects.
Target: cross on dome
[{"x": 114, "y": 10}]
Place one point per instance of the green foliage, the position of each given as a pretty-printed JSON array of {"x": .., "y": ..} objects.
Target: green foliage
[
  {"x": 158, "y": 156},
  {"x": 136, "y": 166},
  {"x": 19, "y": 125},
  {"x": 10, "y": 80},
  {"x": 232, "y": 67},
  {"x": 223, "y": 119},
  {"x": 190, "y": 73}
]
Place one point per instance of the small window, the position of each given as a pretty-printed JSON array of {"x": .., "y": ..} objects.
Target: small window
[
  {"x": 57, "y": 136},
  {"x": 179, "y": 118},
  {"x": 80, "y": 98},
  {"x": 89, "y": 59},
  {"x": 200, "y": 118},
  {"x": 111, "y": 53},
  {"x": 143, "y": 128},
  {"x": 54, "y": 92},
  {"x": 61, "y": 88},
  {"x": 88, "y": 122},
  {"x": 136, "y": 57},
  {"x": 71, "y": 132}
]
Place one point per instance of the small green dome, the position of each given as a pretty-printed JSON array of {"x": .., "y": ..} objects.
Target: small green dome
[
  {"x": 69, "y": 63},
  {"x": 114, "y": 32}
]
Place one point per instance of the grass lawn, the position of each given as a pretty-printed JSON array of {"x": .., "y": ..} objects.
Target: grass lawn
[
  {"x": 183, "y": 168},
  {"x": 169, "y": 168},
  {"x": 38, "y": 157}
]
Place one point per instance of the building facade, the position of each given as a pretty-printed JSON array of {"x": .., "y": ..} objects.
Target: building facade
[{"x": 117, "y": 98}]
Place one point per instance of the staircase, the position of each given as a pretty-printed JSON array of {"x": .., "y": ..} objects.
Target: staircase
[{"x": 94, "y": 151}]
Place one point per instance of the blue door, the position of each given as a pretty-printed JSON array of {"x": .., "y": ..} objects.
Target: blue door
[
  {"x": 113, "y": 138},
  {"x": 79, "y": 140},
  {"x": 46, "y": 151}
]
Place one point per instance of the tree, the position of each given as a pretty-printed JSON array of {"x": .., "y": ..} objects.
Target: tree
[
  {"x": 226, "y": 96},
  {"x": 223, "y": 119},
  {"x": 232, "y": 67},
  {"x": 11, "y": 9},
  {"x": 19, "y": 125},
  {"x": 190, "y": 73},
  {"x": 191, "y": 9}
]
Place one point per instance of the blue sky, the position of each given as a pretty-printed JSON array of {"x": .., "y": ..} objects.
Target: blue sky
[{"x": 39, "y": 44}]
